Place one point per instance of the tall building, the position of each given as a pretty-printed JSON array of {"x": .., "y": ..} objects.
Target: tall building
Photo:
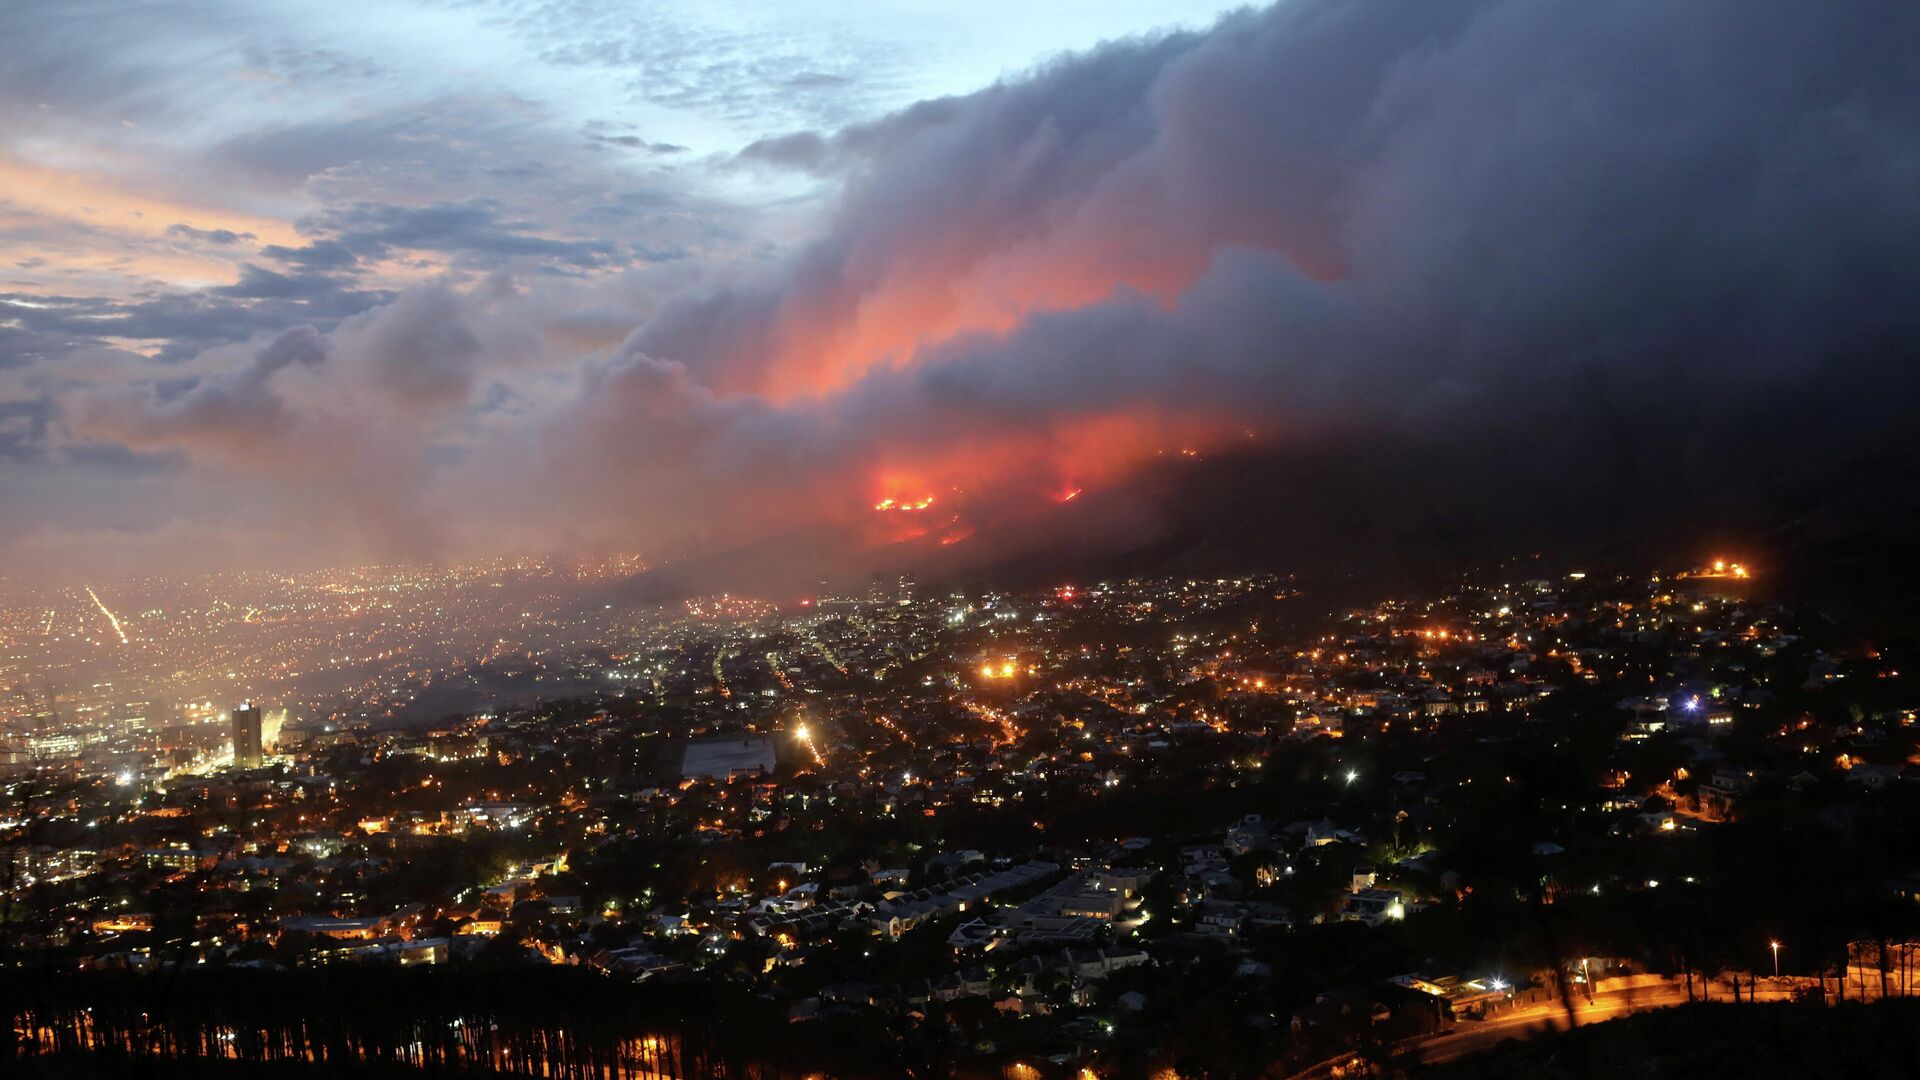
[{"x": 247, "y": 751}]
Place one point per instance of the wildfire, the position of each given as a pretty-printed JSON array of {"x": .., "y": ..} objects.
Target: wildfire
[
  {"x": 1721, "y": 568},
  {"x": 903, "y": 505}
]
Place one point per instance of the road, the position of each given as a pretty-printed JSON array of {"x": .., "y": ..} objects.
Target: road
[{"x": 1473, "y": 1036}]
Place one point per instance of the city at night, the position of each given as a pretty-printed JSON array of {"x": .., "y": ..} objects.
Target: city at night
[{"x": 653, "y": 540}]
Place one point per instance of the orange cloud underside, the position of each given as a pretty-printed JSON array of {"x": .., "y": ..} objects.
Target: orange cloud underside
[
  {"x": 99, "y": 200},
  {"x": 822, "y": 343},
  {"x": 820, "y": 346}
]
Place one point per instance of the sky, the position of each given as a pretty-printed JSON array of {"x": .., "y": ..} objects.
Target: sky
[{"x": 301, "y": 284}]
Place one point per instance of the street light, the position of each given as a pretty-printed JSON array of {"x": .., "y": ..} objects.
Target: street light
[{"x": 1775, "y": 946}]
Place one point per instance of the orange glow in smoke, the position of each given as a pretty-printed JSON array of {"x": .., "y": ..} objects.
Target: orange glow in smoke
[
  {"x": 891, "y": 309},
  {"x": 1095, "y": 451},
  {"x": 987, "y": 479}
]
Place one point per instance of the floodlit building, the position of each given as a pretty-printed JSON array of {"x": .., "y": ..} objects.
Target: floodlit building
[{"x": 247, "y": 749}]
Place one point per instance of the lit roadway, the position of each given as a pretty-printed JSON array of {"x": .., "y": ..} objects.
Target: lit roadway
[{"x": 1473, "y": 1036}]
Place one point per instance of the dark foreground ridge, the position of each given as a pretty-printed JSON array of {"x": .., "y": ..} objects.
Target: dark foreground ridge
[
  {"x": 557, "y": 1023},
  {"x": 387, "y": 1024}
]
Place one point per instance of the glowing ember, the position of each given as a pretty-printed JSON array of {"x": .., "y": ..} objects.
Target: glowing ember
[{"x": 1720, "y": 568}]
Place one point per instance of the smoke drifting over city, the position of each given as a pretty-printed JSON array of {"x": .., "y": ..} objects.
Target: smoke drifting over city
[
  {"x": 1606, "y": 258},
  {"x": 1078, "y": 540}
]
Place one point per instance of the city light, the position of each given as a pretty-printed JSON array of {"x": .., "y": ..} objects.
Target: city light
[
  {"x": 942, "y": 704},
  {"x": 527, "y": 437},
  {"x": 111, "y": 617},
  {"x": 1003, "y": 670},
  {"x": 1722, "y": 568},
  {"x": 805, "y": 736}
]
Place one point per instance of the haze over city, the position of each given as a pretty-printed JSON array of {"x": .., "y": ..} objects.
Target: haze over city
[{"x": 1094, "y": 539}]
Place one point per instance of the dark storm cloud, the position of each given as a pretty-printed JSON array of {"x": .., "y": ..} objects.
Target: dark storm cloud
[
  {"x": 184, "y": 323},
  {"x": 635, "y": 142},
  {"x": 236, "y": 407},
  {"x": 208, "y": 236},
  {"x": 318, "y": 255},
  {"x": 1609, "y": 249},
  {"x": 420, "y": 351},
  {"x": 346, "y": 425},
  {"x": 259, "y": 283},
  {"x": 813, "y": 151},
  {"x": 1464, "y": 169},
  {"x": 473, "y": 228},
  {"x": 22, "y": 428},
  {"x": 1496, "y": 262}
]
